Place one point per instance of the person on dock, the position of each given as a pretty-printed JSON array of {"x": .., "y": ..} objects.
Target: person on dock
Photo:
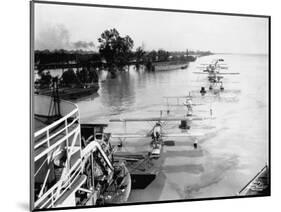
[
  {"x": 195, "y": 143},
  {"x": 188, "y": 104},
  {"x": 203, "y": 91},
  {"x": 156, "y": 132}
]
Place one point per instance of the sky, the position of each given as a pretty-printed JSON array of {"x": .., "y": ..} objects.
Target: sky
[{"x": 74, "y": 27}]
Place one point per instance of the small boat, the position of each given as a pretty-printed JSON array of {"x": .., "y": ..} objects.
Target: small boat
[{"x": 184, "y": 67}]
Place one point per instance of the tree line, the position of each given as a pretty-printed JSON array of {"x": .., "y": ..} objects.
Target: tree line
[
  {"x": 81, "y": 78},
  {"x": 114, "y": 53}
]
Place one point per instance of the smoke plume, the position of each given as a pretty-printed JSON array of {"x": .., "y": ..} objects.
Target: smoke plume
[
  {"x": 83, "y": 45},
  {"x": 58, "y": 37}
]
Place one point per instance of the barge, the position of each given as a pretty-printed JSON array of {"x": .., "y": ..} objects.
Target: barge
[{"x": 168, "y": 66}]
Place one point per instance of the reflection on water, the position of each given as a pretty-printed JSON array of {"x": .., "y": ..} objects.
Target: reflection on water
[
  {"x": 226, "y": 159},
  {"x": 123, "y": 87}
]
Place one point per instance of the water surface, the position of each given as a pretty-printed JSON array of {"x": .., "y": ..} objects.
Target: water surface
[{"x": 227, "y": 157}]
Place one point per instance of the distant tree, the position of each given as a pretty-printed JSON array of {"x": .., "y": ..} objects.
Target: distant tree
[
  {"x": 152, "y": 56},
  {"x": 93, "y": 75},
  {"x": 45, "y": 79},
  {"x": 139, "y": 54},
  {"x": 114, "y": 48},
  {"x": 69, "y": 78},
  {"x": 162, "y": 55},
  {"x": 83, "y": 75},
  {"x": 87, "y": 75},
  {"x": 95, "y": 57}
]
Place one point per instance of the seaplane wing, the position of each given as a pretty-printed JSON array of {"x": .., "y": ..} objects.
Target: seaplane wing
[
  {"x": 184, "y": 105},
  {"x": 227, "y": 73},
  {"x": 182, "y": 134},
  {"x": 145, "y": 119},
  {"x": 135, "y": 119},
  {"x": 129, "y": 135},
  {"x": 223, "y": 67},
  {"x": 177, "y": 97},
  {"x": 198, "y": 72},
  {"x": 189, "y": 96},
  {"x": 182, "y": 109},
  {"x": 202, "y": 118},
  {"x": 163, "y": 119}
]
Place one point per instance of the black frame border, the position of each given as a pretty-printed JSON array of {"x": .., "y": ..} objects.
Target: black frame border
[{"x": 31, "y": 67}]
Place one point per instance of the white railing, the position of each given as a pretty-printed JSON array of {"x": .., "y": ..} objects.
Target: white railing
[
  {"x": 66, "y": 129},
  {"x": 45, "y": 136},
  {"x": 61, "y": 127},
  {"x": 47, "y": 130},
  {"x": 49, "y": 198}
]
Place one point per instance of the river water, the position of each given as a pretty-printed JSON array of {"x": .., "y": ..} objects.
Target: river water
[{"x": 235, "y": 145}]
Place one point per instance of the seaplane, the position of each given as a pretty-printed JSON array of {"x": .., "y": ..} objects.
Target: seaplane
[
  {"x": 214, "y": 66},
  {"x": 185, "y": 101},
  {"x": 214, "y": 74},
  {"x": 184, "y": 104},
  {"x": 144, "y": 164},
  {"x": 157, "y": 131}
]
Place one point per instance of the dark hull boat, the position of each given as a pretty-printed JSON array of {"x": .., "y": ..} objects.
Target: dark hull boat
[
  {"x": 259, "y": 185},
  {"x": 143, "y": 167}
]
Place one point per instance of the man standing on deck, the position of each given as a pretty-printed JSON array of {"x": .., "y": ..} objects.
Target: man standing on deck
[
  {"x": 188, "y": 105},
  {"x": 156, "y": 131}
]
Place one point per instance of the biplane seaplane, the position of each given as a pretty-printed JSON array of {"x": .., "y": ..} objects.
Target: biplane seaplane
[
  {"x": 157, "y": 131},
  {"x": 186, "y": 105},
  {"x": 144, "y": 167},
  {"x": 214, "y": 74}
]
